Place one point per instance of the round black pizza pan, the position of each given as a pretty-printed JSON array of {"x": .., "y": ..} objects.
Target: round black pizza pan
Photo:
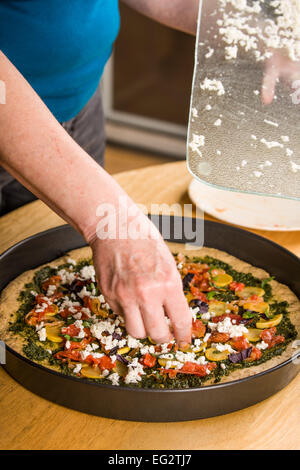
[{"x": 143, "y": 404}]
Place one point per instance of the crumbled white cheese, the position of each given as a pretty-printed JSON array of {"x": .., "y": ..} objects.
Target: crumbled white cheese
[
  {"x": 197, "y": 141},
  {"x": 173, "y": 365},
  {"x": 147, "y": 349},
  {"x": 135, "y": 370},
  {"x": 71, "y": 261},
  {"x": 66, "y": 276},
  {"x": 271, "y": 145},
  {"x": 84, "y": 293},
  {"x": 102, "y": 326},
  {"x": 213, "y": 85},
  {"x": 86, "y": 352},
  {"x": 205, "y": 316},
  {"x": 195, "y": 112},
  {"x": 42, "y": 334},
  {"x": 39, "y": 326},
  {"x": 295, "y": 167},
  {"x": 241, "y": 25},
  {"x": 271, "y": 123},
  {"x": 51, "y": 289},
  {"x": 166, "y": 356},
  {"x": 266, "y": 164},
  {"x": 197, "y": 342},
  {"x": 194, "y": 312},
  {"x": 218, "y": 122},
  {"x": 206, "y": 337},
  {"x": 79, "y": 324},
  {"x": 184, "y": 357},
  {"x": 226, "y": 326},
  {"x": 133, "y": 342},
  {"x": 88, "y": 273},
  {"x": 77, "y": 316},
  {"x": 77, "y": 368},
  {"x": 262, "y": 345},
  {"x": 231, "y": 52},
  {"x": 114, "y": 378},
  {"x": 223, "y": 347},
  {"x": 209, "y": 53}
]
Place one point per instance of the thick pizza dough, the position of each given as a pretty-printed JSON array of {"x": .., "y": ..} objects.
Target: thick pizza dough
[{"x": 9, "y": 303}]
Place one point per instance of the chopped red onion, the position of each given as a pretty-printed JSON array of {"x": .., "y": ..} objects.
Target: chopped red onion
[
  {"x": 240, "y": 356},
  {"x": 186, "y": 280},
  {"x": 122, "y": 359},
  {"x": 203, "y": 306}
]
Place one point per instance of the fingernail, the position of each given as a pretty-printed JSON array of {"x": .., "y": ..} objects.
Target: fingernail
[{"x": 184, "y": 346}]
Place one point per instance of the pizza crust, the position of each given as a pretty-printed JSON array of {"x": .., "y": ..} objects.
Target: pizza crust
[{"x": 9, "y": 303}]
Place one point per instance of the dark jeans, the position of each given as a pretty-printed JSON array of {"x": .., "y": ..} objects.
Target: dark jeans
[{"x": 87, "y": 129}]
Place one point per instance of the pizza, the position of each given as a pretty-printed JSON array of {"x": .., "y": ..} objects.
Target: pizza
[{"x": 244, "y": 322}]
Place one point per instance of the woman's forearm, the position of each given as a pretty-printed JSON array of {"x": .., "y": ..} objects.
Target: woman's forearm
[
  {"x": 36, "y": 150},
  {"x": 178, "y": 14},
  {"x": 138, "y": 277}
]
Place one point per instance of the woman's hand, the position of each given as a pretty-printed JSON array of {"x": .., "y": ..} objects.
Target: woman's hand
[{"x": 140, "y": 281}]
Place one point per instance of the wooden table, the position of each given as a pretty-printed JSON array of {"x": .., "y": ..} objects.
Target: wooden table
[{"x": 30, "y": 422}]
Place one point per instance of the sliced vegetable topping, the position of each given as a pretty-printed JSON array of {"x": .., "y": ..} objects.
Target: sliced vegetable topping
[
  {"x": 54, "y": 333},
  {"x": 217, "y": 307},
  {"x": 253, "y": 335},
  {"x": 257, "y": 306},
  {"x": 222, "y": 280},
  {"x": 250, "y": 291},
  {"x": 261, "y": 324},
  {"x": 213, "y": 354}
]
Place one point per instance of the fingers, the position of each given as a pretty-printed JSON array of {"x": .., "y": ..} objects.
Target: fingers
[
  {"x": 134, "y": 322},
  {"x": 180, "y": 315},
  {"x": 269, "y": 83},
  {"x": 155, "y": 323}
]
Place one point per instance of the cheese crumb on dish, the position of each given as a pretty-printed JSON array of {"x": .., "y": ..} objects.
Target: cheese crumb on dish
[
  {"x": 295, "y": 167},
  {"x": 271, "y": 123},
  {"x": 272, "y": 144},
  {"x": 209, "y": 53},
  {"x": 213, "y": 85}
]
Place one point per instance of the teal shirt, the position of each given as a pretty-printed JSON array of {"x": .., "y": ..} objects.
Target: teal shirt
[{"x": 60, "y": 47}]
